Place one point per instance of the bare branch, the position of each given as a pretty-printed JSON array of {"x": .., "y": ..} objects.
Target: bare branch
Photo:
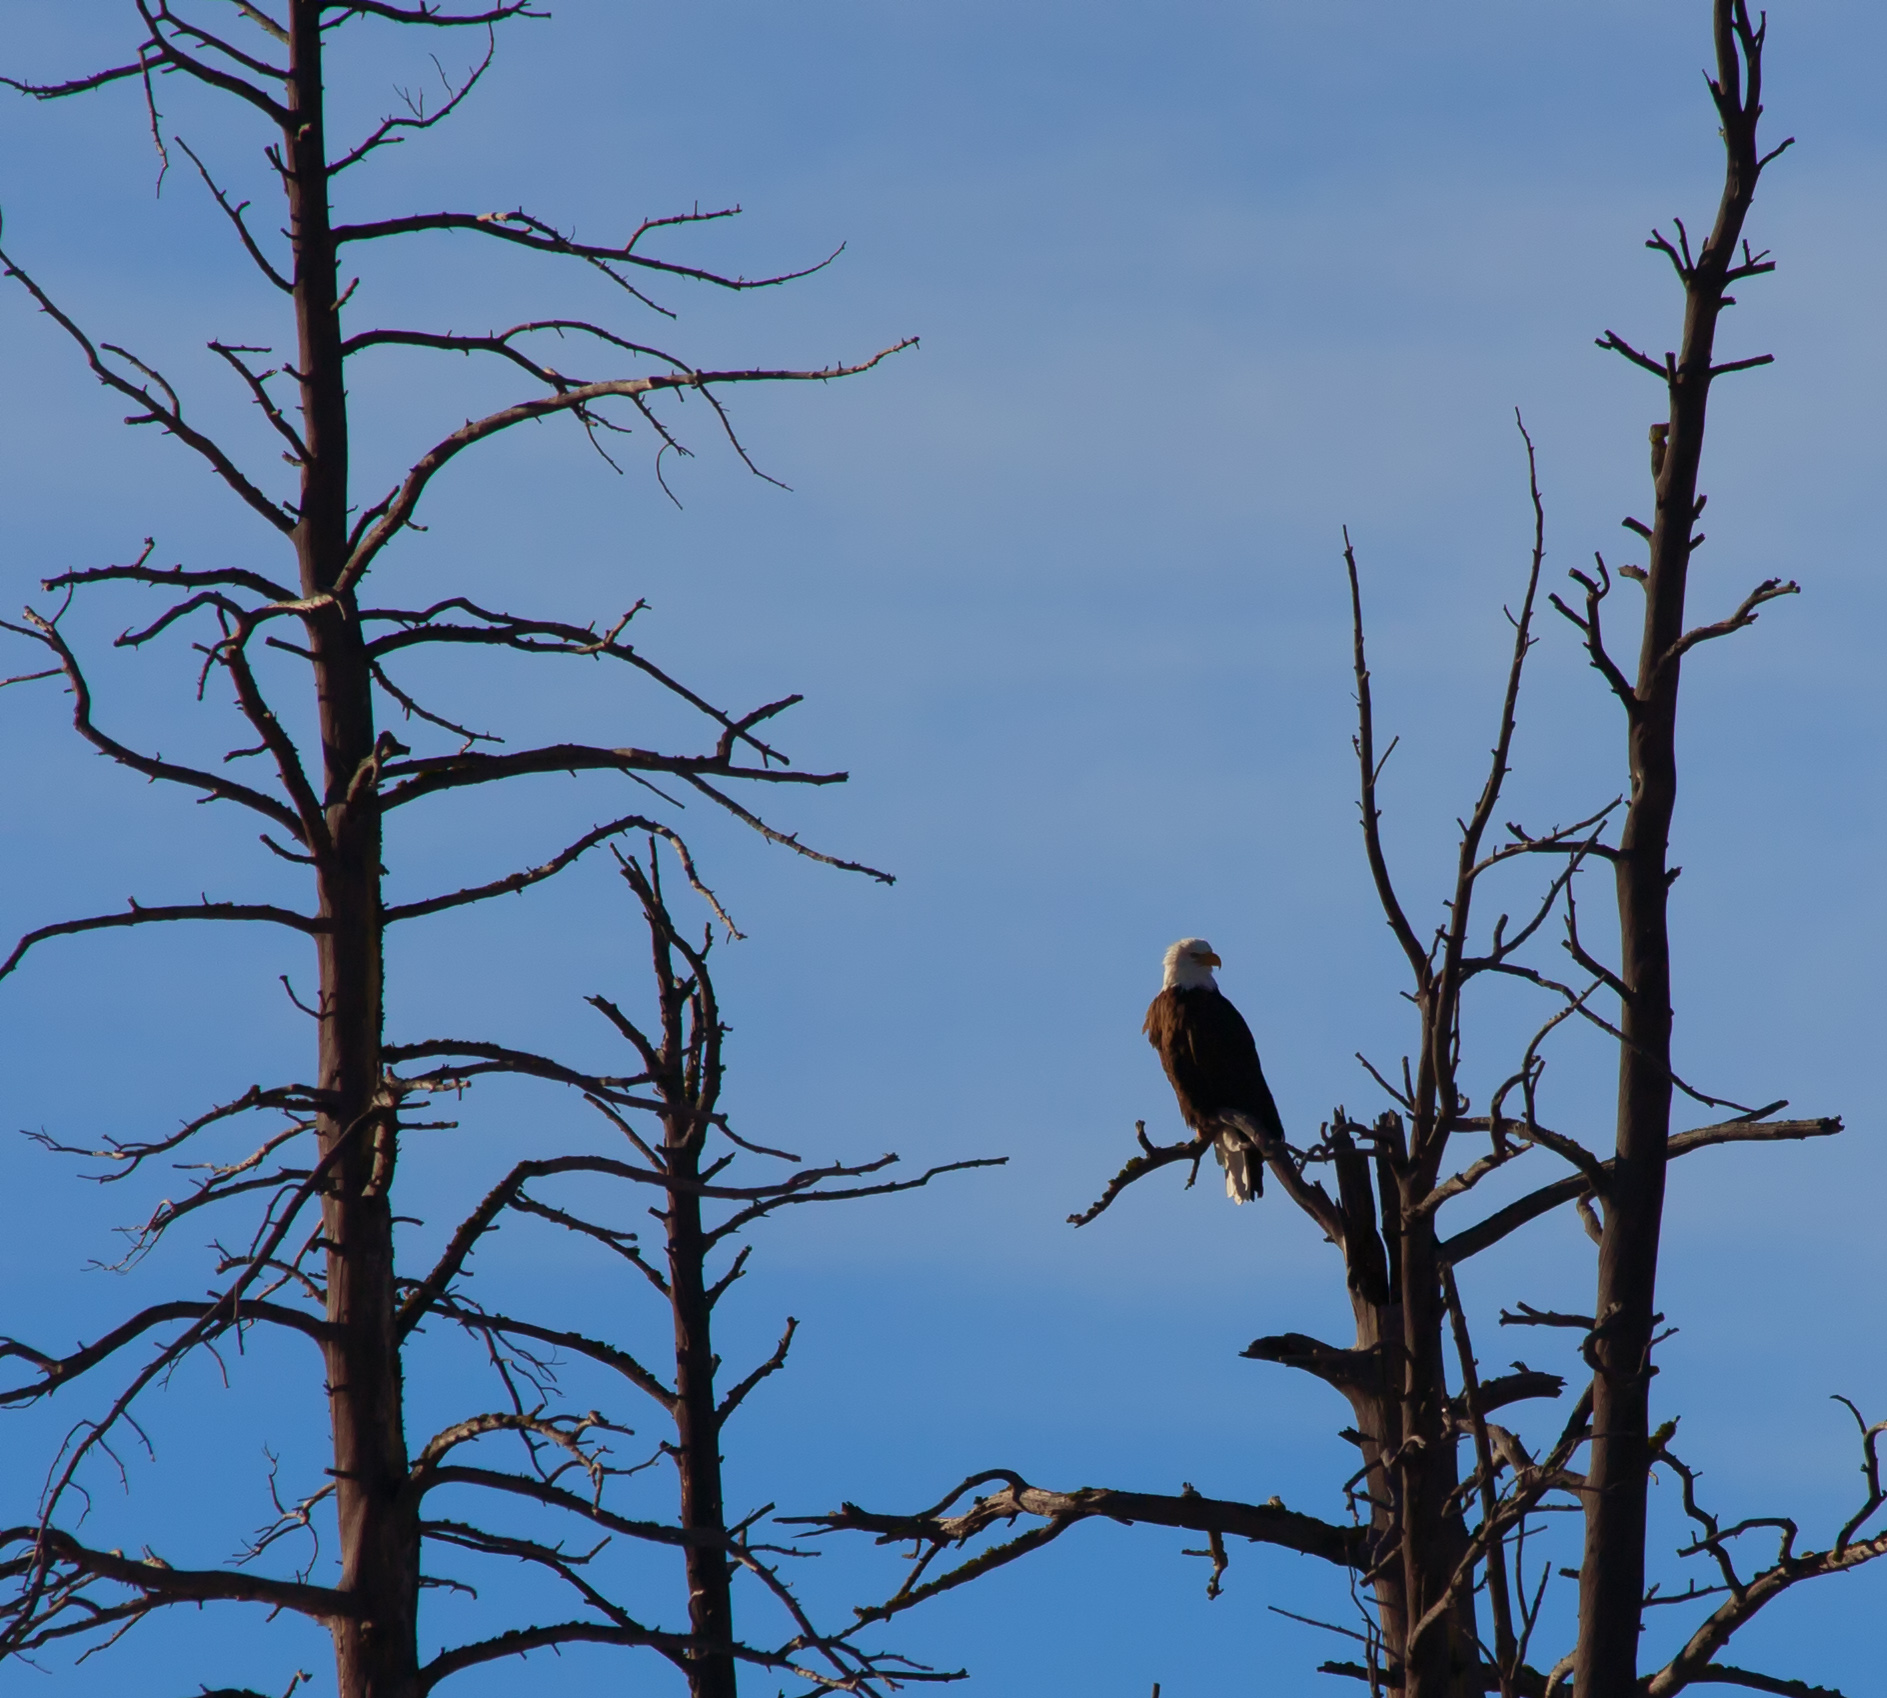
[
  {"x": 550, "y": 636},
  {"x": 771, "y": 1365},
  {"x": 1516, "y": 1214},
  {"x": 165, "y": 412},
  {"x": 291, "y": 1098},
  {"x": 783, "y": 839},
  {"x": 1591, "y": 627},
  {"x": 525, "y": 230},
  {"x": 517, "y": 881},
  {"x": 239, "y": 911},
  {"x": 162, "y": 1584},
  {"x": 1722, "y": 1674},
  {"x": 801, "y": 1190},
  {"x": 1370, "y": 770},
  {"x": 418, "y": 118},
  {"x": 428, "y": 12},
  {"x": 78, "y": 85},
  {"x": 1358, "y": 1371},
  {"x": 256, "y": 383},
  {"x": 57, "y": 1371},
  {"x": 1279, "y": 1157},
  {"x": 1693, "y": 1664},
  {"x": 234, "y": 215},
  {"x": 166, "y": 54},
  {"x": 215, "y": 787},
  {"x": 172, "y": 577},
  {"x": 1613, "y": 343},
  {"x": 393, "y": 512},
  {"x": 427, "y": 775},
  {"x": 1270, "y": 1524},
  {"x": 1152, "y": 1158},
  {"x": 1745, "y": 615}
]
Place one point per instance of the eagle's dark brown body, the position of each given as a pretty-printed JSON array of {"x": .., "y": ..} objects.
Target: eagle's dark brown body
[{"x": 1211, "y": 1061}]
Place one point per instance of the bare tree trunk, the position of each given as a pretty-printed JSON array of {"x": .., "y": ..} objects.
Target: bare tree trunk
[
  {"x": 376, "y": 1653},
  {"x": 1612, "y": 1577},
  {"x": 1439, "y": 1661},
  {"x": 1373, "y": 1271},
  {"x": 711, "y": 1670}
]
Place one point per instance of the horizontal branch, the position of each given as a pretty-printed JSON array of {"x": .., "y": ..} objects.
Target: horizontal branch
[
  {"x": 1270, "y": 1524},
  {"x": 524, "y": 879},
  {"x": 58, "y": 1370},
  {"x": 162, "y": 1584},
  {"x": 500, "y": 1058},
  {"x": 561, "y": 637},
  {"x": 519, "y": 1641},
  {"x": 557, "y": 1497},
  {"x": 793, "y": 1191},
  {"x": 1723, "y": 1674},
  {"x": 429, "y": 12},
  {"x": 523, "y": 230},
  {"x": 171, "y": 577},
  {"x": 427, "y": 776},
  {"x": 1505, "y": 1389},
  {"x": 292, "y": 1099},
  {"x": 577, "y": 1343},
  {"x": 1498, "y": 1225},
  {"x": 240, "y": 911},
  {"x": 394, "y": 511},
  {"x": 1358, "y": 1371},
  {"x": 77, "y": 85}
]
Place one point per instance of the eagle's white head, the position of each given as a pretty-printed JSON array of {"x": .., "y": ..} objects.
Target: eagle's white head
[{"x": 1188, "y": 966}]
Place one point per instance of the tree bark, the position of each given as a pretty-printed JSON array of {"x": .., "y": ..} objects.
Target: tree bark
[
  {"x": 686, "y": 1073},
  {"x": 1612, "y": 1576},
  {"x": 376, "y": 1652},
  {"x": 1444, "y": 1661},
  {"x": 711, "y": 1671}
]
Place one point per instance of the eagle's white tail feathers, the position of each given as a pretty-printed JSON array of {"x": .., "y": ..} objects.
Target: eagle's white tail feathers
[{"x": 1236, "y": 1157}]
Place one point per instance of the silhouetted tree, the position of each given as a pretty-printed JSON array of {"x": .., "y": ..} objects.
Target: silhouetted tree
[
  {"x": 1431, "y": 1533},
  {"x": 312, "y": 664}
]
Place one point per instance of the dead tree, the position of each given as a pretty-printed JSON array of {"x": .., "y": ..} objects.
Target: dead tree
[
  {"x": 658, "y": 1129},
  {"x": 1612, "y": 1576},
  {"x": 702, "y": 1210},
  {"x": 1431, "y": 1533},
  {"x": 319, "y": 1259},
  {"x": 1428, "y": 1534}
]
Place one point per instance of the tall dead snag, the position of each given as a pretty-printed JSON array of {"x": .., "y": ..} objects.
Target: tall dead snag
[
  {"x": 1612, "y": 1577},
  {"x": 703, "y": 1210},
  {"x": 1412, "y": 1546},
  {"x": 1433, "y": 1536},
  {"x": 331, "y": 797},
  {"x": 1430, "y": 1535}
]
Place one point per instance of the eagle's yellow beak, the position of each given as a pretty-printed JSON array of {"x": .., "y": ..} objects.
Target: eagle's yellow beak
[{"x": 1208, "y": 960}]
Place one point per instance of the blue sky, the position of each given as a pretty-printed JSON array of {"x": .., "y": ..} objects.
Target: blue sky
[{"x": 1197, "y": 285}]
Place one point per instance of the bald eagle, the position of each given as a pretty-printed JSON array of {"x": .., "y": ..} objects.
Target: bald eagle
[{"x": 1212, "y": 1063}]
